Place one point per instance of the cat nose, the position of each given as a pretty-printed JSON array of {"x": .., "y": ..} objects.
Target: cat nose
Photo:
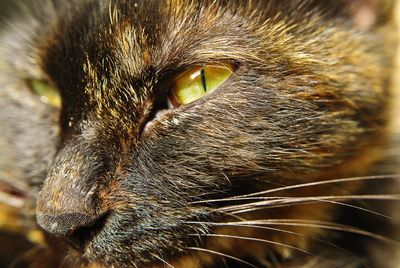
[
  {"x": 75, "y": 228},
  {"x": 68, "y": 204}
]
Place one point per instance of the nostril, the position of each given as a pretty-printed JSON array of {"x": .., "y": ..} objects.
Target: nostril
[
  {"x": 80, "y": 236},
  {"x": 75, "y": 228}
]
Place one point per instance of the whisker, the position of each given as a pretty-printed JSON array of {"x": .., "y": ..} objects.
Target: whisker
[
  {"x": 256, "y": 240},
  {"x": 239, "y": 224},
  {"x": 325, "y": 225},
  {"x": 162, "y": 260},
  {"x": 302, "y": 200},
  {"x": 287, "y": 232},
  {"x": 323, "y": 201},
  {"x": 312, "y": 224},
  {"x": 223, "y": 255},
  {"x": 227, "y": 214},
  {"x": 296, "y": 186},
  {"x": 251, "y": 209},
  {"x": 359, "y": 208}
]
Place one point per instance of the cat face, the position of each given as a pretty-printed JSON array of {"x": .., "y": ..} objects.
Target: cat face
[{"x": 132, "y": 177}]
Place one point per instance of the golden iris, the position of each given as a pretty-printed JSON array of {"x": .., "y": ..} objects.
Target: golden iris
[
  {"x": 198, "y": 81},
  {"x": 47, "y": 92}
]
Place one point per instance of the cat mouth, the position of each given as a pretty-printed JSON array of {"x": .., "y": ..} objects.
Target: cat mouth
[{"x": 101, "y": 243}]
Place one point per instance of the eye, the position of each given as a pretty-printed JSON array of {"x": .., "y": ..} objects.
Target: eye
[
  {"x": 198, "y": 81},
  {"x": 46, "y": 91}
]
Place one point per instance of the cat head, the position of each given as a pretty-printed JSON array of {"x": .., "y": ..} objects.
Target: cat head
[{"x": 136, "y": 160}]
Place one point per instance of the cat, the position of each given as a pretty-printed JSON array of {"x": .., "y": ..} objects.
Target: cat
[{"x": 180, "y": 133}]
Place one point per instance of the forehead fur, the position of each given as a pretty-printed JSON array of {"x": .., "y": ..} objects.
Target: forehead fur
[{"x": 130, "y": 37}]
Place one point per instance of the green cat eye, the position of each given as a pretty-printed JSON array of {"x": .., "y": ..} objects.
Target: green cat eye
[
  {"x": 198, "y": 81},
  {"x": 46, "y": 91}
]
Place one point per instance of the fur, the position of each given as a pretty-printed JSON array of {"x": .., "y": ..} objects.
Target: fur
[{"x": 310, "y": 101}]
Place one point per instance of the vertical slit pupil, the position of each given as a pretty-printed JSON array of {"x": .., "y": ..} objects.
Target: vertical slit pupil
[{"x": 203, "y": 80}]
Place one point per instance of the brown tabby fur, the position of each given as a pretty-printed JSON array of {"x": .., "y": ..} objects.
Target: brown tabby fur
[{"x": 311, "y": 100}]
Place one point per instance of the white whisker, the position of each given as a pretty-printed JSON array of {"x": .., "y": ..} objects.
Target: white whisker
[
  {"x": 301, "y": 200},
  {"x": 252, "y": 209},
  {"x": 324, "y": 225},
  {"x": 223, "y": 255},
  {"x": 239, "y": 224},
  {"x": 162, "y": 260},
  {"x": 312, "y": 224},
  {"x": 296, "y": 186},
  {"x": 256, "y": 240}
]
